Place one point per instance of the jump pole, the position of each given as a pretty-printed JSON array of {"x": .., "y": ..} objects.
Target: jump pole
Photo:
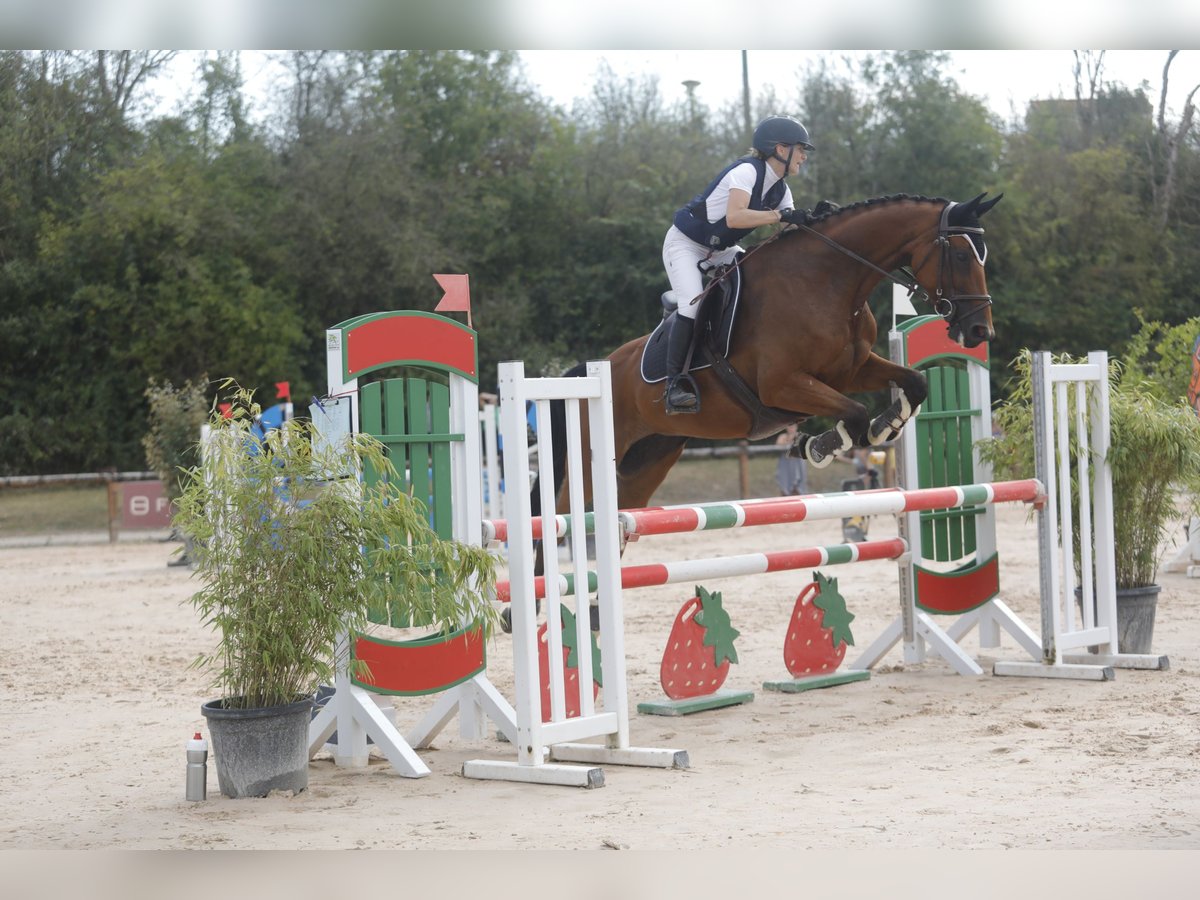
[{"x": 782, "y": 510}]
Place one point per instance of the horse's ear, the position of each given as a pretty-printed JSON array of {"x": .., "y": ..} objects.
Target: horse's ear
[{"x": 981, "y": 208}]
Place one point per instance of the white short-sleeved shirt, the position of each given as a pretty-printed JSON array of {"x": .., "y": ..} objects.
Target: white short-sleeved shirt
[{"x": 742, "y": 177}]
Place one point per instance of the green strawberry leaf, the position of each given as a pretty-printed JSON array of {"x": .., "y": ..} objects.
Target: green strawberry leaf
[
  {"x": 836, "y": 617},
  {"x": 568, "y": 638},
  {"x": 719, "y": 632}
]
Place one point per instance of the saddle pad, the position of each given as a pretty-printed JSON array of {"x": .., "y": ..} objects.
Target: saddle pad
[{"x": 720, "y": 323}]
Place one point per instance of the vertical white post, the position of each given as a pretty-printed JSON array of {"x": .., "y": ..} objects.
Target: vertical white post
[
  {"x": 608, "y": 553},
  {"x": 1105, "y": 561},
  {"x": 523, "y": 603},
  {"x": 1048, "y": 516}
]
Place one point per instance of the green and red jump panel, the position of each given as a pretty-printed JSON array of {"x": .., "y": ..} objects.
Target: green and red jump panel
[
  {"x": 406, "y": 337},
  {"x": 423, "y": 666}
]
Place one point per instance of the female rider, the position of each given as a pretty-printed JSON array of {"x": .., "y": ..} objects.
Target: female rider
[{"x": 748, "y": 193}]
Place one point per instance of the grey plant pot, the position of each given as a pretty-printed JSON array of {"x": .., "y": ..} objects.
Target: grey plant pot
[
  {"x": 259, "y": 750},
  {"x": 1135, "y": 618}
]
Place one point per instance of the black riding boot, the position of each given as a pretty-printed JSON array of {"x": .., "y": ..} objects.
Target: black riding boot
[{"x": 680, "y": 396}]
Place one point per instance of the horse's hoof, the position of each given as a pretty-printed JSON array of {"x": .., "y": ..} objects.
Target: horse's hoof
[
  {"x": 820, "y": 460},
  {"x": 506, "y": 620},
  {"x": 807, "y": 448}
]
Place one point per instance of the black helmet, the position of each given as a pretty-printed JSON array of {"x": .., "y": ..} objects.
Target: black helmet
[{"x": 779, "y": 130}]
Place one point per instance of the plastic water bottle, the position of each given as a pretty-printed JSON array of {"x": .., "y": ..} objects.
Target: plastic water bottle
[{"x": 197, "y": 768}]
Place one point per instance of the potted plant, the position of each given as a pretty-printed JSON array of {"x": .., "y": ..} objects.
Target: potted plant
[
  {"x": 294, "y": 551},
  {"x": 1154, "y": 455}
]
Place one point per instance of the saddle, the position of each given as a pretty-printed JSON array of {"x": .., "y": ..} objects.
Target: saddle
[
  {"x": 710, "y": 349},
  {"x": 714, "y": 326}
]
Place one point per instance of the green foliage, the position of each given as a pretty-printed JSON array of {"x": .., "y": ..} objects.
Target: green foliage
[
  {"x": 278, "y": 546},
  {"x": 1160, "y": 356},
  {"x": 1154, "y": 454},
  {"x": 176, "y": 416},
  {"x": 134, "y": 248}
]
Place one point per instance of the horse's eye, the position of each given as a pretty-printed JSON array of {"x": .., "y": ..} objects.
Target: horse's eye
[{"x": 962, "y": 255}]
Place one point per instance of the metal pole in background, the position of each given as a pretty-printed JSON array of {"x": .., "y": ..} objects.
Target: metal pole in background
[{"x": 746, "y": 95}]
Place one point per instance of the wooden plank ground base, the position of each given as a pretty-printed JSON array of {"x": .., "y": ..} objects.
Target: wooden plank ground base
[
  {"x": 1062, "y": 670},
  {"x": 589, "y": 777},
  {"x": 716, "y": 700},
  {"x": 797, "y": 685},
  {"x": 1150, "y": 661}
]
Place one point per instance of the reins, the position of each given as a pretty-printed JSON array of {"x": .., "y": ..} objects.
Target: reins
[
  {"x": 911, "y": 286},
  {"x": 944, "y": 306}
]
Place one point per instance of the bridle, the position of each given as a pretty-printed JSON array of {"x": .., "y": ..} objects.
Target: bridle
[{"x": 944, "y": 302}]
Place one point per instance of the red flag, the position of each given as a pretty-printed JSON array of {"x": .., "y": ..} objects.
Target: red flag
[
  {"x": 226, "y": 410},
  {"x": 458, "y": 294},
  {"x": 283, "y": 390}
]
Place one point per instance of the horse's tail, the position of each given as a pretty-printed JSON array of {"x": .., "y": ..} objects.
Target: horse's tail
[{"x": 558, "y": 436}]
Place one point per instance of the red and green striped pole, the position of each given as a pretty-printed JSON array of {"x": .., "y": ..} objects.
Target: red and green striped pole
[
  {"x": 781, "y": 510},
  {"x": 654, "y": 574}
]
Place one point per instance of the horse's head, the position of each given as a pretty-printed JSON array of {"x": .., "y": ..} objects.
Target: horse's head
[{"x": 952, "y": 272}]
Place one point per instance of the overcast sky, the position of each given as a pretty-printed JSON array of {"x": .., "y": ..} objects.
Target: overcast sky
[{"x": 1006, "y": 79}]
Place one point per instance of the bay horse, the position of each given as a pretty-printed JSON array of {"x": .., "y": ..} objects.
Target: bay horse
[{"x": 804, "y": 337}]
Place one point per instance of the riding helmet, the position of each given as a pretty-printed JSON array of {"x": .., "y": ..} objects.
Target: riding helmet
[{"x": 779, "y": 130}]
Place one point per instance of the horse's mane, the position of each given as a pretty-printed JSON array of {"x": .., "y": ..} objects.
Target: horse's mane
[
  {"x": 857, "y": 206},
  {"x": 877, "y": 201}
]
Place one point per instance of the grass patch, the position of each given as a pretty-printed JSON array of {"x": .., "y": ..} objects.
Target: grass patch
[{"x": 53, "y": 509}]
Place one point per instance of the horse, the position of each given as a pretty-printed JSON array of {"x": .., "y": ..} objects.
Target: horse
[
  {"x": 804, "y": 335},
  {"x": 803, "y": 339}
]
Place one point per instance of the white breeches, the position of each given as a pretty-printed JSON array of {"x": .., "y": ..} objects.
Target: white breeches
[{"x": 682, "y": 258}]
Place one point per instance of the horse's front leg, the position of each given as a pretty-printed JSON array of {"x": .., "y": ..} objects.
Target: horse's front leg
[
  {"x": 878, "y": 373},
  {"x": 803, "y": 393}
]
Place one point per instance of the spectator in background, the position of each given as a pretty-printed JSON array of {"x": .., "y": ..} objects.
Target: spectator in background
[{"x": 790, "y": 474}]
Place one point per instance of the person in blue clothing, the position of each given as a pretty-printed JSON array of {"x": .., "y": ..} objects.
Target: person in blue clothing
[{"x": 748, "y": 193}]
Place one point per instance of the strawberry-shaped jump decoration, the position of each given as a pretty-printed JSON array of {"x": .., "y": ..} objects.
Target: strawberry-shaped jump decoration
[
  {"x": 699, "y": 648},
  {"x": 570, "y": 665},
  {"x": 819, "y": 631}
]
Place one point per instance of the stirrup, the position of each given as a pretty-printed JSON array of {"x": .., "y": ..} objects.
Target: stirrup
[{"x": 681, "y": 383}]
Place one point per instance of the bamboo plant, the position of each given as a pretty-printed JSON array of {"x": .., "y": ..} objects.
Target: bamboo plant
[{"x": 294, "y": 550}]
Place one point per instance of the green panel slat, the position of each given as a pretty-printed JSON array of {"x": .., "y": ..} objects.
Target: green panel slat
[
  {"x": 439, "y": 420},
  {"x": 394, "y": 422},
  {"x": 370, "y": 420},
  {"x": 418, "y": 424},
  {"x": 967, "y": 466},
  {"x": 937, "y": 448},
  {"x": 952, "y": 399},
  {"x": 924, "y": 475}
]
